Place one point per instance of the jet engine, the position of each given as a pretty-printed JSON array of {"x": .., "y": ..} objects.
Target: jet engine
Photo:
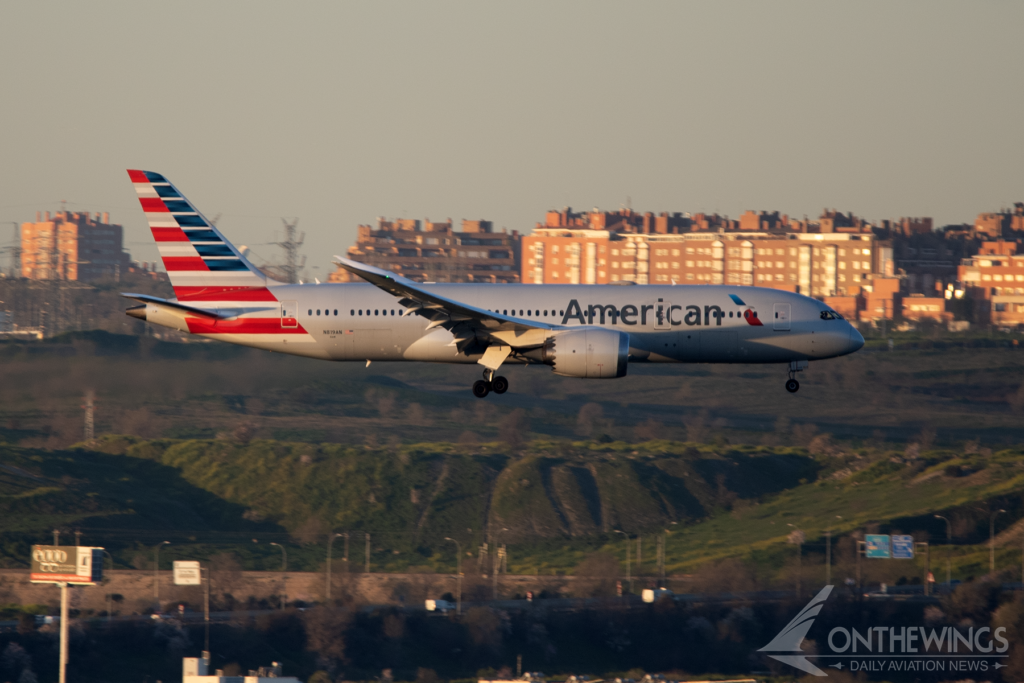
[{"x": 591, "y": 352}]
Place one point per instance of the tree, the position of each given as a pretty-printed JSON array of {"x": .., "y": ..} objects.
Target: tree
[
  {"x": 596, "y": 575},
  {"x": 325, "y": 631},
  {"x": 484, "y": 628},
  {"x": 512, "y": 429},
  {"x": 589, "y": 420}
]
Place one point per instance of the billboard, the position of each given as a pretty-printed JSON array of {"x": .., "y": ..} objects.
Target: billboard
[
  {"x": 876, "y": 545},
  {"x": 187, "y": 573},
  {"x": 81, "y": 565}
]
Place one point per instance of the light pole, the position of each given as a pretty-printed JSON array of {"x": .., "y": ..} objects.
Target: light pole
[
  {"x": 496, "y": 565},
  {"x": 458, "y": 574},
  {"x": 156, "y": 573},
  {"x": 284, "y": 574},
  {"x": 629, "y": 575},
  {"x": 330, "y": 542},
  {"x": 367, "y": 570},
  {"x": 828, "y": 554},
  {"x": 992, "y": 542},
  {"x": 799, "y": 536},
  {"x": 661, "y": 554},
  {"x": 949, "y": 541},
  {"x": 109, "y": 595}
]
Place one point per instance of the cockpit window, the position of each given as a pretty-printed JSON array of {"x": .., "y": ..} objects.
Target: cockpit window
[{"x": 831, "y": 315}]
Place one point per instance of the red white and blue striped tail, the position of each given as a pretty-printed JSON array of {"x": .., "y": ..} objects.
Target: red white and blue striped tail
[{"x": 201, "y": 263}]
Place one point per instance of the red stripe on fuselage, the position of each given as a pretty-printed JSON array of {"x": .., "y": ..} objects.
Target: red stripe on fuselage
[
  {"x": 175, "y": 263},
  {"x": 153, "y": 205},
  {"x": 241, "y": 326},
  {"x": 224, "y": 294},
  {"x": 169, "y": 235},
  {"x": 138, "y": 176}
]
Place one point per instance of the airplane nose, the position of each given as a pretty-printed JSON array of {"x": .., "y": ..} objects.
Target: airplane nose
[{"x": 856, "y": 339}]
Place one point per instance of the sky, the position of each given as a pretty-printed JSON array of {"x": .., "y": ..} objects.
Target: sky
[{"x": 336, "y": 113}]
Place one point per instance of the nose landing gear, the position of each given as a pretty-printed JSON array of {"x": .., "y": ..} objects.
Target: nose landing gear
[
  {"x": 489, "y": 383},
  {"x": 792, "y": 386}
]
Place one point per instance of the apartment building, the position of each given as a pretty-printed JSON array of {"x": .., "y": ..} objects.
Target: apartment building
[
  {"x": 994, "y": 279},
  {"x": 72, "y": 246},
  {"x": 815, "y": 264},
  {"x": 436, "y": 252}
]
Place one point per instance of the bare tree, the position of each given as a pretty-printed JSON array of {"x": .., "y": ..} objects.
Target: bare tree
[
  {"x": 513, "y": 429},
  {"x": 589, "y": 420}
]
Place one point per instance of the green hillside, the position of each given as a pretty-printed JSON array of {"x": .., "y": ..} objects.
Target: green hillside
[{"x": 553, "y": 503}]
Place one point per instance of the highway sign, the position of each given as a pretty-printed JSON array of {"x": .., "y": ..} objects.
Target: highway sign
[
  {"x": 902, "y": 547},
  {"x": 187, "y": 573},
  {"x": 79, "y": 565},
  {"x": 876, "y": 545}
]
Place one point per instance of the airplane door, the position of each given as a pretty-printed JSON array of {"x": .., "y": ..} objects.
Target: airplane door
[
  {"x": 783, "y": 312},
  {"x": 289, "y": 314},
  {"x": 662, "y": 315}
]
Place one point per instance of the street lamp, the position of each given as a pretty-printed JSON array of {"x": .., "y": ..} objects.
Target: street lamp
[
  {"x": 284, "y": 574},
  {"x": 458, "y": 572},
  {"x": 828, "y": 554},
  {"x": 949, "y": 541},
  {"x": 109, "y": 595},
  {"x": 629, "y": 576},
  {"x": 799, "y": 542},
  {"x": 496, "y": 564},
  {"x": 330, "y": 542},
  {"x": 156, "y": 573},
  {"x": 992, "y": 542}
]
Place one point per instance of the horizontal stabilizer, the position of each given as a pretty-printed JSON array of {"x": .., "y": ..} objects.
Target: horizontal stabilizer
[{"x": 147, "y": 299}]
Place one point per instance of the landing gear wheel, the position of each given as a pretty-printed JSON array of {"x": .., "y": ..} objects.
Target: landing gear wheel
[
  {"x": 481, "y": 388},
  {"x": 792, "y": 386},
  {"x": 499, "y": 385}
]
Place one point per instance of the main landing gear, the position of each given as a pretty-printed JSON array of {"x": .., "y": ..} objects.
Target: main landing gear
[
  {"x": 792, "y": 386},
  {"x": 489, "y": 383}
]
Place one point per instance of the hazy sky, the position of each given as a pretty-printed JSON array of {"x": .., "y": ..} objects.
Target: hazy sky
[{"x": 338, "y": 112}]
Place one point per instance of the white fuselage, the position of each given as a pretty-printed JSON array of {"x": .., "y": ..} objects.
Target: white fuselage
[{"x": 681, "y": 323}]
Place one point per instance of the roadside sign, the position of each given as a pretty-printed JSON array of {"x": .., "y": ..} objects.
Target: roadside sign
[
  {"x": 902, "y": 547},
  {"x": 80, "y": 565},
  {"x": 187, "y": 573},
  {"x": 876, "y": 545}
]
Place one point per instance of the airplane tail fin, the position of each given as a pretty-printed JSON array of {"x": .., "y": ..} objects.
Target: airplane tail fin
[{"x": 201, "y": 263}]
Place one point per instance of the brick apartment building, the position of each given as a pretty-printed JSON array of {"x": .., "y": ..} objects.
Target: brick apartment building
[
  {"x": 840, "y": 260},
  {"x": 994, "y": 279},
  {"x": 436, "y": 252},
  {"x": 72, "y": 246}
]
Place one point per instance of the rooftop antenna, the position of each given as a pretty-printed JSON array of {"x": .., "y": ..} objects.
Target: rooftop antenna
[{"x": 293, "y": 264}]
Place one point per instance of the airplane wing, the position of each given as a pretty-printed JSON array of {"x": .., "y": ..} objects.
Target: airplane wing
[{"x": 468, "y": 324}]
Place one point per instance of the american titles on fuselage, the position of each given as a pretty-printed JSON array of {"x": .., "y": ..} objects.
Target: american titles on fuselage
[{"x": 661, "y": 314}]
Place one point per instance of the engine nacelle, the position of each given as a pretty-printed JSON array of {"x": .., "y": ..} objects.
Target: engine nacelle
[{"x": 592, "y": 352}]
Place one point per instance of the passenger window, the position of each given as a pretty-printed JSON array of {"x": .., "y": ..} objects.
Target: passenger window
[
  {"x": 318, "y": 311},
  {"x": 352, "y": 312},
  {"x": 311, "y": 311},
  {"x": 335, "y": 311},
  {"x": 376, "y": 312}
]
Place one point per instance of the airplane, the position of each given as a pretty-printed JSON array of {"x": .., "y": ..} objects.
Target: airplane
[{"x": 584, "y": 331}]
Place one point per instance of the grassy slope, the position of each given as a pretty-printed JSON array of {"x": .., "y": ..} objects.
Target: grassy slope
[{"x": 553, "y": 505}]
